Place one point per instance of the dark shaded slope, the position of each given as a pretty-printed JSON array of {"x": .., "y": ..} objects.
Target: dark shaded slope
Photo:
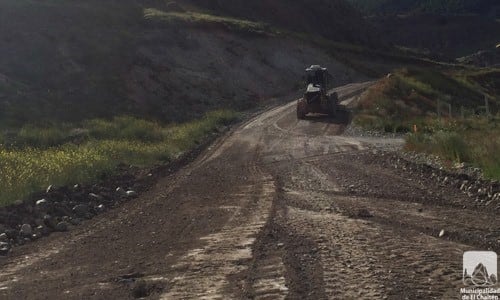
[
  {"x": 63, "y": 58},
  {"x": 483, "y": 7},
  {"x": 334, "y": 19}
]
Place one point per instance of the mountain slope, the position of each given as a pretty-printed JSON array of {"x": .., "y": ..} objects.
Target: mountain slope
[
  {"x": 333, "y": 19},
  {"x": 72, "y": 60},
  {"x": 483, "y": 7}
]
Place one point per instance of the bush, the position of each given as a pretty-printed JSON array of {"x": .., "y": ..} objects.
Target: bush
[{"x": 448, "y": 145}]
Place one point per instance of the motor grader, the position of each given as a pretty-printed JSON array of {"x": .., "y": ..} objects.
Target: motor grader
[{"x": 317, "y": 99}]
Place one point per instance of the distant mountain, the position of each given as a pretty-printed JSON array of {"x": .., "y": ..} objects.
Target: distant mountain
[{"x": 483, "y": 7}]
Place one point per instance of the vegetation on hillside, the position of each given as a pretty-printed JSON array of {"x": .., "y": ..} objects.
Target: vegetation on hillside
[
  {"x": 434, "y": 6},
  {"x": 34, "y": 158},
  {"x": 207, "y": 21},
  {"x": 407, "y": 102}
]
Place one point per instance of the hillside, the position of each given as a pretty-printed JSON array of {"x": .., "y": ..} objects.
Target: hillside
[
  {"x": 450, "y": 36},
  {"x": 59, "y": 59},
  {"x": 483, "y": 7},
  {"x": 68, "y": 61},
  {"x": 446, "y": 29},
  {"x": 333, "y": 19}
]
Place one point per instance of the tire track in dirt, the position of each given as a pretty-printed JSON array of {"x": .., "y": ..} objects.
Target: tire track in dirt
[{"x": 202, "y": 272}]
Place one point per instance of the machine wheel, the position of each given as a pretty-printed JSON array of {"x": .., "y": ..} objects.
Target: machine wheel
[
  {"x": 301, "y": 109},
  {"x": 333, "y": 104}
]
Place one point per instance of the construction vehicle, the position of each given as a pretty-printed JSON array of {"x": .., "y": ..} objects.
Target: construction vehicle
[{"x": 317, "y": 99}]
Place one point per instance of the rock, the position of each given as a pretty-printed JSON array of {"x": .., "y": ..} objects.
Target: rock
[
  {"x": 75, "y": 221},
  {"x": 81, "y": 210},
  {"x": 100, "y": 208},
  {"x": 20, "y": 241},
  {"x": 11, "y": 233},
  {"x": 49, "y": 221},
  {"x": 76, "y": 186},
  {"x": 42, "y": 202},
  {"x": 26, "y": 230},
  {"x": 42, "y": 230},
  {"x": 131, "y": 194},
  {"x": 4, "y": 248},
  {"x": 364, "y": 213},
  {"x": 95, "y": 196},
  {"x": 49, "y": 189},
  {"x": 442, "y": 233},
  {"x": 38, "y": 222},
  {"x": 4, "y": 237},
  {"x": 121, "y": 192},
  {"x": 62, "y": 226}
]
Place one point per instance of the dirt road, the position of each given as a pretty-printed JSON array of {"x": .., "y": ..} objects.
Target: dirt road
[{"x": 276, "y": 209}]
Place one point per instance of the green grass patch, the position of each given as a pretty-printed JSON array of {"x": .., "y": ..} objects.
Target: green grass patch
[
  {"x": 475, "y": 141},
  {"x": 410, "y": 97},
  {"x": 203, "y": 19},
  {"x": 34, "y": 166}
]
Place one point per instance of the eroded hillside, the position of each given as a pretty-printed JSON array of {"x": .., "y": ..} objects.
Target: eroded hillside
[{"x": 74, "y": 60}]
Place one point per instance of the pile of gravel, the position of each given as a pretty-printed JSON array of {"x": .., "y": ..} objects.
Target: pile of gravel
[{"x": 483, "y": 192}]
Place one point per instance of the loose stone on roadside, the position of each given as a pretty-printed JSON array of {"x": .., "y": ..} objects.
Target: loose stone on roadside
[
  {"x": 81, "y": 210},
  {"x": 41, "y": 202},
  {"x": 364, "y": 213},
  {"x": 4, "y": 248},
  {"x": 4, "y": 237},
  {"x": 121, "y": 191},
  {"x": 131, "y": 194},
  {"x": 26, "y": 230},
  {"x": 62, "y": 226},
  {"x": 95, "y": 196}
]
